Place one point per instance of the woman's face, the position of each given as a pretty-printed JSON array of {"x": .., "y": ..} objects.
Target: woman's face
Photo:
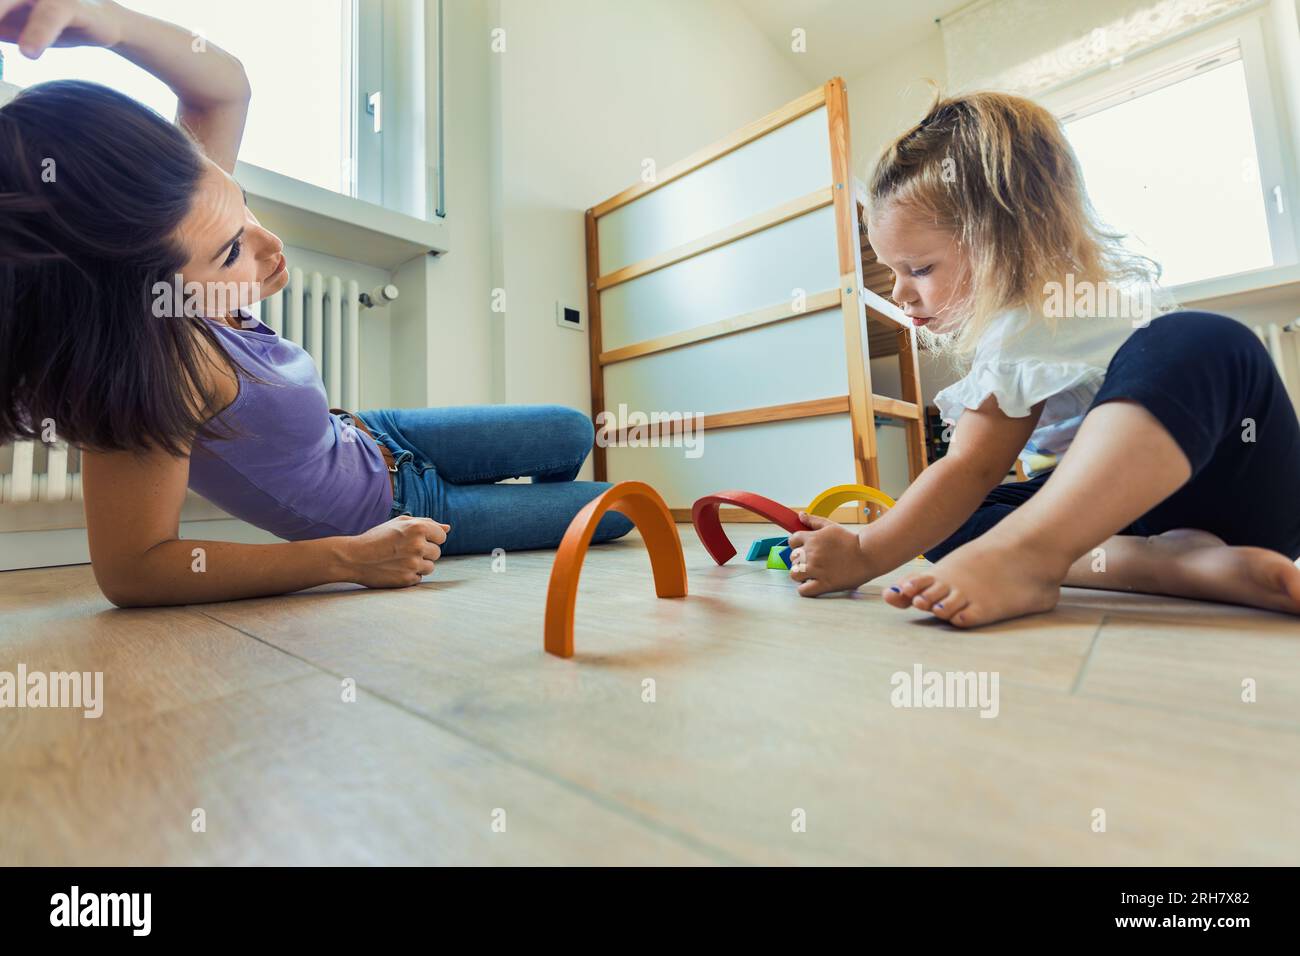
[
  {"x": 931, "y": 277},
  {"x": 233, "y": 259}
]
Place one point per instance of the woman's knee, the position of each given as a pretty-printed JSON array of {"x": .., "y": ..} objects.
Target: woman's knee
[
  {"x": 613, "y": 524},
  {"x": 570, "y": 429}
]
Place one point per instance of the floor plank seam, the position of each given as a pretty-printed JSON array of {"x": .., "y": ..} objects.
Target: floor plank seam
[
  {"x": 717, "y": 854},
  {"x": 205, "y": 701},
  {"x": 265, "y": 643},
  {"x": 1253, "y": 723},
  {"x": 1092, "y": 647}
]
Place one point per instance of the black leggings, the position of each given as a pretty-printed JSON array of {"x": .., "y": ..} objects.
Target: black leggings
[{"x": 1205, "y": 377}]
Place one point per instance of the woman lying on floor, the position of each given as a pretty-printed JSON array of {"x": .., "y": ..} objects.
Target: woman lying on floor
[{"x": 161, "y": 399}]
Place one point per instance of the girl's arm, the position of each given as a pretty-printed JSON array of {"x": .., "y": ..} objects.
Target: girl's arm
[
  {"x": 210, "y": 84},
  {"x": 984, "y": 446}
]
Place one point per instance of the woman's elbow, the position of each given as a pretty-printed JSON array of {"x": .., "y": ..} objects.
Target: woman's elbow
[
  {"x": 122, "y": 598},
  {"x": 121, "y": 591}
]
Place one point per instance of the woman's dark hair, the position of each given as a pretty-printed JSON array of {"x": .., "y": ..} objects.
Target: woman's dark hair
[{"x": 93, "y": 186}]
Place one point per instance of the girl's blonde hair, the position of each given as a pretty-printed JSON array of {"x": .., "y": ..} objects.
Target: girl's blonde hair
[{"x": 997, "y": 171}]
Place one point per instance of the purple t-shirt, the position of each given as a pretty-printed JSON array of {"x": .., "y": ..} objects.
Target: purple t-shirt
[{"x": 298, "y": 471}]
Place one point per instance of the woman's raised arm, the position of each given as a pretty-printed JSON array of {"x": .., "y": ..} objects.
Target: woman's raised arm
[{"x": 210, "y": 84}]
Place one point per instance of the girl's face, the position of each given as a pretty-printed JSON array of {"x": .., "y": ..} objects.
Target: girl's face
[
  {"x": 931, "y": 277},
  {"x": 233, "y": 259}
]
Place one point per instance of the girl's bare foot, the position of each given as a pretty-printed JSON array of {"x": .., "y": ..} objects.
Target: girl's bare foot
[
  {"x": 1191, "y": 563},
  {"x": 1125, "y": 562},
  {"x": 1182, "y": 563},
  {"x": 1255, "y": 577},
  {"x": 988, "y": 579}
]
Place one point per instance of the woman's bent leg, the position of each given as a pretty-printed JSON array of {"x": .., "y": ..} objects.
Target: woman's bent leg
[
  {"x": 520, "y": 517},
  {"x": 488, "y": 443}
]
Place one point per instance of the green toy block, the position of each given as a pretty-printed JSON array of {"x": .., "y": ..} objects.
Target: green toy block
[{"x": 778, "y": 559}]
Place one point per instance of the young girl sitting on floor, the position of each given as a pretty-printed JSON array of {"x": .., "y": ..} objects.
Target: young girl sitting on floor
[{"x": 1184, "y": 463}]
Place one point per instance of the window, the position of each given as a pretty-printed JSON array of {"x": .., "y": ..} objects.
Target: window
[
  {"x": 338, "y": 88},
  {"x": 1184, "y": 160},
  {"x": 298, "y": 58}
]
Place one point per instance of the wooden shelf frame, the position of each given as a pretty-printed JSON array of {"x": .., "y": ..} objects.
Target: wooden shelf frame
[{"x": 873, "y": 327}]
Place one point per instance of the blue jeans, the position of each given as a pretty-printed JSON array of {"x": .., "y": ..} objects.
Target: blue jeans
[{"x": 449, "y": 460}]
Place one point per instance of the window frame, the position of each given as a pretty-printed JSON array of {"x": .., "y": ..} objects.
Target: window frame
[
  {"x": 390, "y": 53},
  {"x": 1169, "y": 63}
]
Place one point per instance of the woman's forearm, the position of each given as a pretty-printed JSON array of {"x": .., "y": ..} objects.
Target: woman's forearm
[
  {"x": 936, "y": 504},
  {"x": 184, "y": 571},
  {"x": 201, "y": 74}
]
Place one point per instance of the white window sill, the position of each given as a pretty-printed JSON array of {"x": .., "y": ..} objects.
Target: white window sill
[
  {"x": 1259, "y": 285},
  {"x": 309, "y": 217}
]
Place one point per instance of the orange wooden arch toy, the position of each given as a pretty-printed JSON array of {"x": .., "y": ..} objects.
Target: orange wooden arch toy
[{"x": 652, "y": 518}]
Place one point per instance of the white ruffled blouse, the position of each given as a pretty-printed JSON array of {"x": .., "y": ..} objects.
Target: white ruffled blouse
[{"x": 1022, "y": 368}]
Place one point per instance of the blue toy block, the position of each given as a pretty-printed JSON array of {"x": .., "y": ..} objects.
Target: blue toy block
[{"x": 759, "y": 549}]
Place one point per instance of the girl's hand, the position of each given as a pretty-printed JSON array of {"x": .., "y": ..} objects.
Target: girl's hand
[
  {"x": 827, "y": 558},
  {"x": 36, "y": 25},
  {"x": 395, "y": 554}
]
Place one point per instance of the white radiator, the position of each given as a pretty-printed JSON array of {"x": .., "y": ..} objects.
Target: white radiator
[
  {"x": 321, "y": 313},
  {"x": 29, "y": 478},
  {"x": 1283, "y": 343}
]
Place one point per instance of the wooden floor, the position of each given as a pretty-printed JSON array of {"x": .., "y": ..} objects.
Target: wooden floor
[{"x": 765, "y": 704}]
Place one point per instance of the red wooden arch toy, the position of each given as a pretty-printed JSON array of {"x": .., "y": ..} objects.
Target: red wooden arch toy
[
  {"x": 704, "y": 515},
  {"x": 652, "y": 518}
]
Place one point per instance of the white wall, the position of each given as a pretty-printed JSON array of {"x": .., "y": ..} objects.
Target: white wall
[
  {"x": 890, "y": 96},
  {"x": 447, "y": 359},
  {"x": 588, "y": 90}
]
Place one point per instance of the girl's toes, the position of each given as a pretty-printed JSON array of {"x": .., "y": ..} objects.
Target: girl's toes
[
  {"x": 894, "y": 597},
  {"x": 900, "y": 595},
  {"x": 966, "y": 617},
  {"x": 952, "y": 604},
  {"x": 915, "y": 585},
  {"x": 934, "y": 593}
]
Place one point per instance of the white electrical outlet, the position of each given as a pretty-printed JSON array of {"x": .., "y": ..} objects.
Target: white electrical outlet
[{"x": 569, "y": 318}]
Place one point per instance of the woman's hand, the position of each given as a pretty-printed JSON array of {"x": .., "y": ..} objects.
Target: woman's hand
[
  {"x": 36, "y": 25},
  {"x": 395, "y": 554},
  {"x": 829, "y": 557}
]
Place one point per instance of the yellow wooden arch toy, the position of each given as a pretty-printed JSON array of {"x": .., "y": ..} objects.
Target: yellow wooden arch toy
[{"x": 824, "y": 505}]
